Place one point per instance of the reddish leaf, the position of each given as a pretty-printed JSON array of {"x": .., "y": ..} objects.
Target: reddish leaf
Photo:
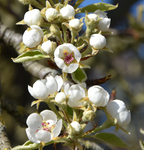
[
  {"x": 52, "y": 64},
  {"x": 113, "y": 95},
  {"x": 97, "y": 81}
]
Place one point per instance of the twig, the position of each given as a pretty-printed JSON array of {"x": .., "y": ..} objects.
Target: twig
[{"x": 33, "y": 67}]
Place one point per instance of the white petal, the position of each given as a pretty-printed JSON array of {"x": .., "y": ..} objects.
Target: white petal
[
  {"x": 60, "y": 62},
  {"x": 67, "y": 12},
  {"x": 40, "y": 90},
  {"x": 76, "y": 126},
  {"x": 57, "y": 129},
  {"x": 60, "y": 97},
  {"x": 30, "y": 89},
  {"x": 34, "y": 121},
  {"x": 51, "y": 85},
  {"x": 66, "y": 88},
  {"x": 59, "y": 81},
  {"x": 48, "y": 115},
  {"x": 32, "y": 17},
  {"x": 124, "y": 118},
  {"x": 44, "y": 136},
  {"x": 71, "y": 68},
  {"x": 31, "y": 135}
]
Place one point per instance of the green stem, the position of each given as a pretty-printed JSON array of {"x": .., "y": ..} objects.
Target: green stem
[
  {"x": 43, "y": 2},
  {"x": 64, "y": 28},
  {"x": 88, "y": 32}
]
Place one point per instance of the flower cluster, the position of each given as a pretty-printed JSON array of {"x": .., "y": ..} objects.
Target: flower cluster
[{"x": 73, "y": 102}]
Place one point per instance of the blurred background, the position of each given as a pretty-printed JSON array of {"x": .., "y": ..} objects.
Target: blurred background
[{"x": 125, "y": 65}]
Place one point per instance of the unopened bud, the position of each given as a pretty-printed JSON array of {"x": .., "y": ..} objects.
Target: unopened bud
[{"x": 88, "y": 115}]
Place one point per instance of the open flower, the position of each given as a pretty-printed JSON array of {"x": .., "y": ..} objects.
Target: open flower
[
  {"x": 33, "y": 36},
  {"x": 76, "y": 93},
  {"x": 67, "y": 12},
  {"x": 97, "y": 41},
  {"x": 105, "y": 22},
  {"x": 98, "y": 96},
  {"x": 43, "y": 127},
  {"x": 43, "y": 88},
  {"x": 117, "y": 109},
  {"x": 32, "y": 17},
  {"x": 67, "y": 57}
]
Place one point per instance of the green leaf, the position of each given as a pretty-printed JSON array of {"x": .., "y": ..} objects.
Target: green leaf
[
  {"x": 78, "y": 3},
  {"x": 102, "y": 6},
  {"x": 111, "y": 139},
  {"x": 79, "y": 76},
  {"x": 30, "y": 56}
]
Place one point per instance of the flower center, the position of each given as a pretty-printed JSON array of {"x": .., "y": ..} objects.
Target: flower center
[
  {"x": 46, "y": 126},
  {"x": 68, "y": 58}
]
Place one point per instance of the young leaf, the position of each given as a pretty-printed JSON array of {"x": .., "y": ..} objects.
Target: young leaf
[
  {"x": 111, "y": 139},
  {"x": 102, "y": 6},
  {"x": 30, "y": 56},
  {"x": 78, "y": 3},
  {"x": 79, "y": 76}
]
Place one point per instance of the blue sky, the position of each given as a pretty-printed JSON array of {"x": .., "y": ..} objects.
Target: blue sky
[{"x": 133, "y": 9}]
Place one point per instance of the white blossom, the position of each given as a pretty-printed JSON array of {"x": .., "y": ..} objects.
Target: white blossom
[
  {"x": 67, "y": 12},
  {"x": 48, "y": 46},
  {"x": 105, "y": 22},
  {"x": 117, "y": 109},
  {"x": 92, "y": 17},
  {"x": 32, "y": 17},
  {"x": 60, "y": 97},
  {"x": 43, "y": 88},
  {"x": 33, "y": 37},
  {"x": 97, "y": 41},
  {"x": 75, "y": 23},
  {"x": 67, "y": 57},
  {"x": 43, "y": 127},
  {"x": 51, "y": 14},
  {"x": 76, "y": 93},
  {"x": 76, "y": 126},
  {"x": 98, "y": 96}
]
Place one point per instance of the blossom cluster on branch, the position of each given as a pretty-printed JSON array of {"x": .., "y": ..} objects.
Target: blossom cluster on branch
[{"x": 53, "y": 33}]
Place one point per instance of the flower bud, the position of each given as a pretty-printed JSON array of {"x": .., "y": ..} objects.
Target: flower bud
[
  {"x": 60, "y": 97},
  {"x": 76, "y": 127},
  {"x": 48, "y": 46},
  {"x": 118, "y": 110},
  {"x": 98, "y": 96},
  {"x": 75, "y": 23},
  {"x": 97, "y": 41},
  {"x": 92, "y": 17},
  {"x": 88, "y": 115},
  {"x": 67, "y": 12},
  {"x": 32, "y": 17},
  {"x": 51, "y": 14},
  {"x": 33, "y": 37},
  {"x": 104, "y": 23}
]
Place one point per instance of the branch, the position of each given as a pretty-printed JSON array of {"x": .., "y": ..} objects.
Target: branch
[
  {"x": 4, "y": 141},
  {"x": 33, "y": 67}
]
